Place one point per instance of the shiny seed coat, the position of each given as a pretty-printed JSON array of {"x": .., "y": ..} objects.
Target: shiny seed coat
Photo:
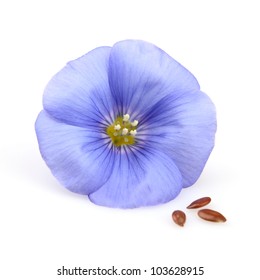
[
  {"x": 211, "y": 215},
  {"x": 179, "y": 217},
  {"x": 199, "y": 202}
]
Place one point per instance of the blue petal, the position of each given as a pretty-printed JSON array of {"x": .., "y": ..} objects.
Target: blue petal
[
  {"x": 184, "y": 128},
  {"x": 140, "y": 177},
  {"x": 79, "y": 158},
  {"x": 79, "y": 94},
  {"x": 140, "y": 74}
]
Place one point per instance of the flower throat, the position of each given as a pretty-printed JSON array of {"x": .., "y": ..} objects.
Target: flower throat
[{"x": 122, "y": 131}]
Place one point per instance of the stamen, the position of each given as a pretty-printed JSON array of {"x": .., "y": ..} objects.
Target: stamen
[
  {"x": 126, "y": 117},
  {"x": 134, "y": 123},
  {"x": 133, "y": 132},
  {"x": 117, "y": 127},
  {"x": 124, "y": 131}
]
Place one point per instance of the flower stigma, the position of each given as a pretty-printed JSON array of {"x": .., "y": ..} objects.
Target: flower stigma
[{"x": 122, "y": 131}]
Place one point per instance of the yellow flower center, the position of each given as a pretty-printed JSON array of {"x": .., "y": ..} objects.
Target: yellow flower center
[{"x": 122, "y": 131}]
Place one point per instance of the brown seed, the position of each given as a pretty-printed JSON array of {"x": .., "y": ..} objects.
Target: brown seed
[
  {"x": 211, "y": 215},
  {"x": 199, "y": 202},
  {"x": 179, "y": 217}
]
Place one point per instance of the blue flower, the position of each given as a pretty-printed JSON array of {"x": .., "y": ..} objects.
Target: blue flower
[{"x": 126, "y": 125}]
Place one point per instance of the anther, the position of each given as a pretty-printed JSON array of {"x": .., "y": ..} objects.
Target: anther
[
  {"x": 124, "y": 131},
  {"x": 126, "y": 117},
  {"x": 126, "y": 139},
  {"x": 133, "y": 132},
  {"x": 117, "y": 127},
  {"x": 134, "y": 123}
]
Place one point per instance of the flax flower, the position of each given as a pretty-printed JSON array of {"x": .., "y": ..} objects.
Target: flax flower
[{"x": 126, "y": 125}]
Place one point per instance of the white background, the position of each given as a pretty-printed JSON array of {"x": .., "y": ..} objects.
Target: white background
[{"x": 44, "y": 226}]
